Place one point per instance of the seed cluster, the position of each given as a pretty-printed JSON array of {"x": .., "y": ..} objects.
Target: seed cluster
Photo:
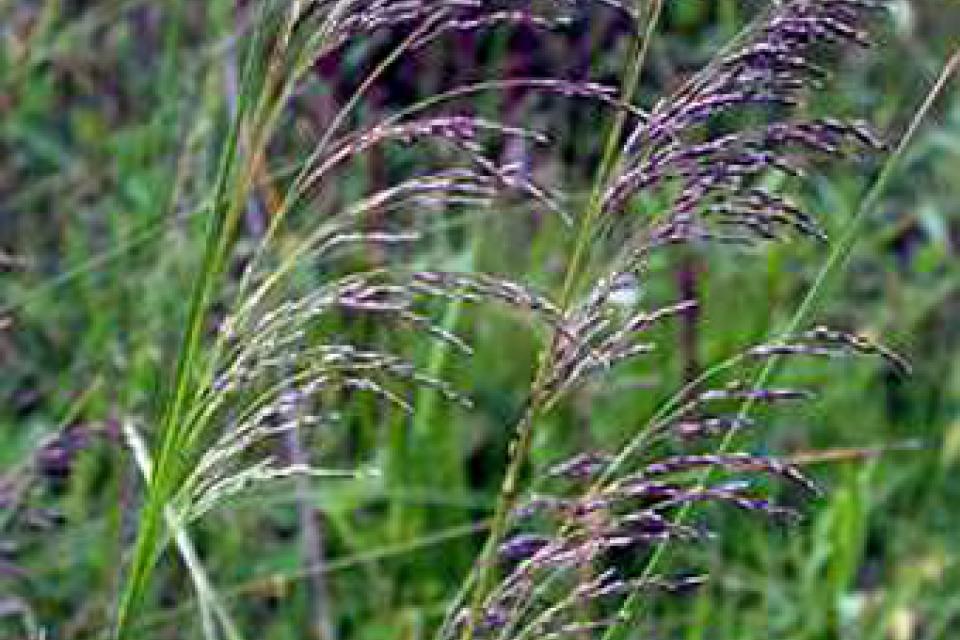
[
  {"x": 574, "y": 551},
  {"x": 713, "y": 175},
  {"x": 273, "y": 376},
  {"x": 571, "y": 544}
]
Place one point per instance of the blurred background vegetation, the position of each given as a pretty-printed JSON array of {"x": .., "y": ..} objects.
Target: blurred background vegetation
[{"x": 112, "y": 113}]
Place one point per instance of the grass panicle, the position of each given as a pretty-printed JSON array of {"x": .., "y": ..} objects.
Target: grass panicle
[{"x": 342, "y": 259}]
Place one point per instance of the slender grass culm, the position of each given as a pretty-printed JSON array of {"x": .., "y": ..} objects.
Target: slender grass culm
[{"x": 571, "y": 550}]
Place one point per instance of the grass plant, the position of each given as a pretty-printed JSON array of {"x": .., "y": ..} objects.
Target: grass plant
[{"x": 392, "y": 305}]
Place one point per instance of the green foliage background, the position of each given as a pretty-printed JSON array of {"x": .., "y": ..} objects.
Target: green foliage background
[{"x": 112, "y": 113}]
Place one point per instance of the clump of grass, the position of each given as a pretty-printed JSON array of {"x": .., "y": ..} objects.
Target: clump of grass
[
  {"x": 708, "y": 176},
  {"x": 254, "y": 382},
  {"x": 276, "y": 364}
]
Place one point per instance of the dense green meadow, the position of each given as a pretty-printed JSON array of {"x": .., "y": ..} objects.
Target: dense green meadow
[{"x": 155, "y": 162}]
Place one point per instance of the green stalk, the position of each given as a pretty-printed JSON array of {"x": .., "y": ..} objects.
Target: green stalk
[
  {"x": 213, "y": 613},
  {"x": 224, "y": 215},
  {"x": 524, "y": 429}
]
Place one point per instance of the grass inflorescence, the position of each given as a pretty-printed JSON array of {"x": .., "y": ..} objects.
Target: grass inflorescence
[{"x": 337, "y": 236}]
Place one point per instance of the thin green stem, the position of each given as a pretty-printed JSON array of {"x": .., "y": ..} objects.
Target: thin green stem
[
  {"x": 524, "y": 429},
  {"x": 169, "y": 460}
]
